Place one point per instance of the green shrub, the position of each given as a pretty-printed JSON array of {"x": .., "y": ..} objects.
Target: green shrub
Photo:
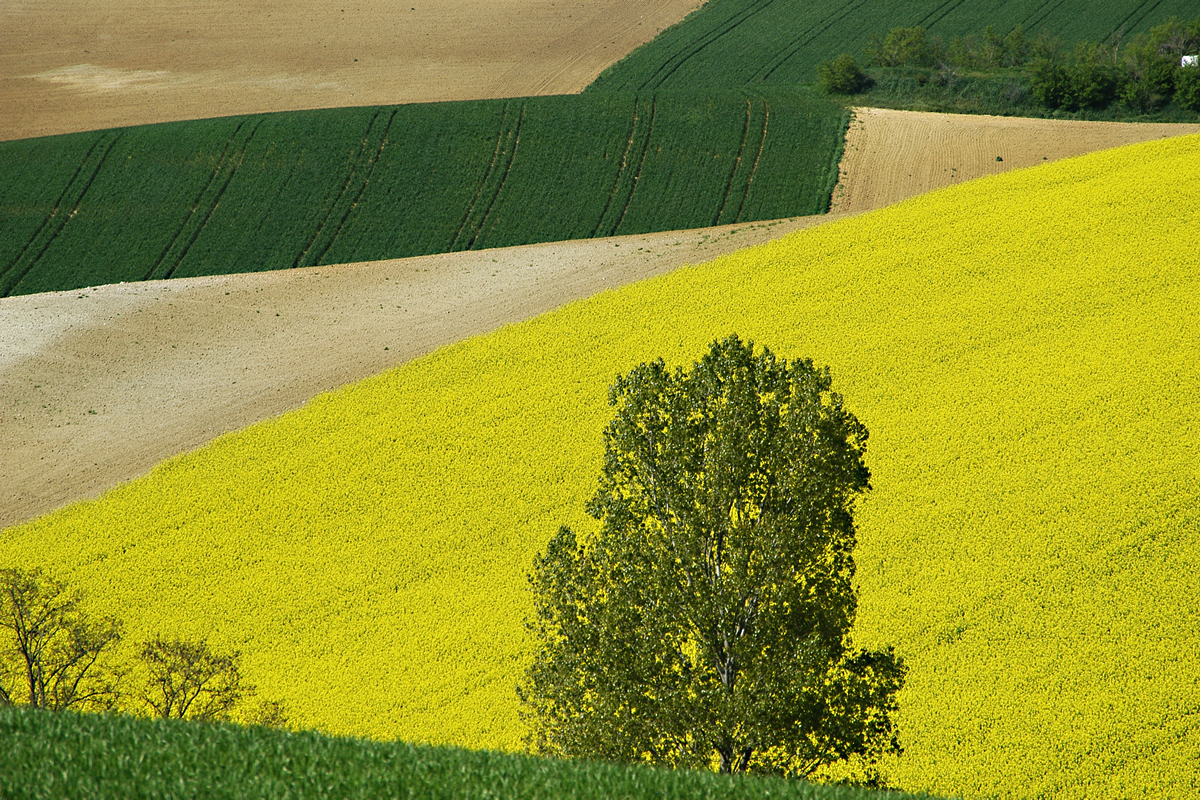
[
  {"x": 902, "y": 47},
  {"x": 1187, "y": 88},
  {"x": 1050, "y": 83},
  {"x": 1093, "y": 77},
  {"x": 842, "y": 75}
]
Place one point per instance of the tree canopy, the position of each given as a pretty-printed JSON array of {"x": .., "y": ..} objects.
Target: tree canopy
[
  {"x": 707, "y": 623},
  {"x": 50, "y": 650}
]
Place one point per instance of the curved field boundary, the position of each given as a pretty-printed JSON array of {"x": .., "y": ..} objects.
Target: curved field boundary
[
  {"x": 893, "y": 155},
  {"x": 752, "y": 44},
  {"x": 1028, "y": 547},
  {"x": 341, "y": 185},
  {"x": 110, "y": 349},
  {"x": 168, "y": 365},
  {"x": 135, "y": 64}
]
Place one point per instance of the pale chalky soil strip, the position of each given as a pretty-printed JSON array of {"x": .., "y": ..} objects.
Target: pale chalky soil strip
[
  {"x": 73, "y": 65},
  {"x": 99, "y": 385}
]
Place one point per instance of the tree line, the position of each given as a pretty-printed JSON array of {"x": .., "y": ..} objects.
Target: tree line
[
  {"x": 57, "y": 656},
  {"x": 1140, "y": 75}
]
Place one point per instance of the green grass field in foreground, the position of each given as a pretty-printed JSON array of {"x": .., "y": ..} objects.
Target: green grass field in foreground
[
  {"x": 1024, "y": 350},
  {"x": 755, "y": 44},
  {"x": 275, "y": 191},
  {"x": 48, "y": 756}
]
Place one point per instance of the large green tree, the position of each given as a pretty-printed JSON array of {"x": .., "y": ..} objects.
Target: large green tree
[{"x": 707, "y": 624}]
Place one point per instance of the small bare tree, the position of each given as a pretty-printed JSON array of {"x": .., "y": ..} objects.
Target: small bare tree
[
  {"x": 50, "y": 652},
  {"x": 189, "y": 681}
]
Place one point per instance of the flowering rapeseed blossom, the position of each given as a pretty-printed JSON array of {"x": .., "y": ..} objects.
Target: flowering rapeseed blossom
[{"x": 1025, "y": 350}]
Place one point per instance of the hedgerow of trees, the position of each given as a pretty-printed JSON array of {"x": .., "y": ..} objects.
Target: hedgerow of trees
[
  {"x": 1139, "y": 75},
  {"x": 707, "y": 625},
  {"x": 54, "y": 655}
]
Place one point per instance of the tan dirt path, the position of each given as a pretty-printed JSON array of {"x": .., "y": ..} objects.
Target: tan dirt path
[
  {"x": 73, "y": 65},
  {"x": 98, "y": 385},
  {"x": 893, "y": 155}
]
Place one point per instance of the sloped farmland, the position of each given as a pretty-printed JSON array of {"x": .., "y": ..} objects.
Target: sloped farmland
[{"x": 269, "y": 192}]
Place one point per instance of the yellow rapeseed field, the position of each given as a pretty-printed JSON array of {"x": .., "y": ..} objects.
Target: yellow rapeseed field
[{"x": 1025, "y": 351}]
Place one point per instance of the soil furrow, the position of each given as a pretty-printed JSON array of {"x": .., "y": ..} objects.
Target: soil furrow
[
  {"x": 150, "y": 273},
  {"x": 215, "y": 203},
  {"x": 620, "y": 171},
  {"x": 500, "y": 137},
  {"x": 58, "y": 229},
  {"x": 301, "y": 260},
  {"x": 633, "y": 184},
  {"x": 757, "y": 157},
  {"x": 512, "y": 156},
  {"x": 737, "y": 161},
  {"x": 53, "y": 209},
  {"x": 373, "y": 163}
]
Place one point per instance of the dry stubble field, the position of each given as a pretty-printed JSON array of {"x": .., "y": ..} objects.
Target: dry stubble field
[
  {"x": 75, "y": 65},
  {"x": 893, "y": 155}
]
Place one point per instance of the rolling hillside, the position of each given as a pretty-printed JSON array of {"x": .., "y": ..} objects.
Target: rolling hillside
[
  {"x": 242, "y": 194},
  {"x": 81, "y": 65},
  {"x": 761, "y": 43},
  {"x": 1022, "y": 349},
  {"x": 48, "y": 756}
]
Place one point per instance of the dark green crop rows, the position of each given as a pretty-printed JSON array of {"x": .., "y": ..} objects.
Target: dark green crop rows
[
  {"x": 298, "y": 189},
  {"x": 48, "y": 756},
  {"x": 757, "y": 43}
]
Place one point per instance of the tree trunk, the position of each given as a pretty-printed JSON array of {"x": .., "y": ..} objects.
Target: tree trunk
[{"x": 726, "y": 752}]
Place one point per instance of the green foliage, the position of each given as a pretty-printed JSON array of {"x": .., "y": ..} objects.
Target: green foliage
[
  {"x": 841, "y": 75},
  {"x": 332, "y": 186},
  {"x": 902, "y": 47},
  {"x": 939, "y": 90},
  {"x": 708, "y": 623},
  {"x": 1051, "y": 83},
  {"x": 1094, "y": 78},
  {"x": 1016, "y": 47},
  {"x": 46, "y": 756},
  {"x": 190, "y": 681},
  {"x": 1187, "y": 87},
  {"x": 759, "y": 43},
  {"x": 52, "y": 654}
]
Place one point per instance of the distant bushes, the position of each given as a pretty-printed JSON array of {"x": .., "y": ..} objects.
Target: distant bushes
[
  {"x": 842, "y": 76},
  {"x": 1016, "y": 74},
  {"x": 57, "y": 656}
]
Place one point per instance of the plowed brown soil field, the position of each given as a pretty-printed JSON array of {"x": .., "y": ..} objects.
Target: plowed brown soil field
[
  {"x": 73, "y": 65},
  {"x": 893, "y": 155}
]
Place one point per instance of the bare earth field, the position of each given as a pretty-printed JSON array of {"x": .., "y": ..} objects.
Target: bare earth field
[
  {"x": 97, "y": 386},
  {"x": 74, "y": 65},
  {"x": 893, "y": 155}
]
